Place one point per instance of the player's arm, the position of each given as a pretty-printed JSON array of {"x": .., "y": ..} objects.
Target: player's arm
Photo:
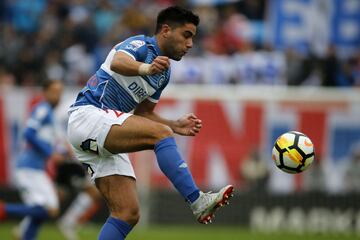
[
  {"x": 126, "y": 65},
  {"x": 188, "y": 125},
  {"x": 31, "y": 136},
  {"x": 33, "y": 126}
]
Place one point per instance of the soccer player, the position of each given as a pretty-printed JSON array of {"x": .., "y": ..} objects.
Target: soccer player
[
  {"x": 102, "y": 131},
  {"x": 36, "y": 188}
]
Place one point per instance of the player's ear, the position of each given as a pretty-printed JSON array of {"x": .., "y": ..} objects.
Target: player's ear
[{"x": 165, "y": 30}]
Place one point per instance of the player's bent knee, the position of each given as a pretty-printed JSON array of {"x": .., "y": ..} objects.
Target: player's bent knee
[
  {"x": 163, "y": 131},
  {"x": 131, "y": 216}
]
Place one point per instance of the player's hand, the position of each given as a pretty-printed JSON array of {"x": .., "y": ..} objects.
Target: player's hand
[
  {"x": 160, "y": 64},
  {"x": 188, "y": 125}
]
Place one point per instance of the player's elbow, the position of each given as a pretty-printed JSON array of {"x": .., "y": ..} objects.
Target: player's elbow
[
  {"x": 119, "y": 69},
  {"x": 123, "y": 64},
  {"x": 114, "y": 66},
  {"x": 118, "y": 65}
]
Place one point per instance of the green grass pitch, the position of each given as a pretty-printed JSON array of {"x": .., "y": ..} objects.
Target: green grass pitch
[{"x": 209, "y": 232}]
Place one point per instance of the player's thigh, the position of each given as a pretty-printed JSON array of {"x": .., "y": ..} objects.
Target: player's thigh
[
  {"x": 135, "y": 134},
  {"x": 102, "y": 131},
  {"x": 120, "y": 195}
]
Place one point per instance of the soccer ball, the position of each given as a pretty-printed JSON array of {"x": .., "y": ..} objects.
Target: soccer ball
[{"x": 293, "y": 152}]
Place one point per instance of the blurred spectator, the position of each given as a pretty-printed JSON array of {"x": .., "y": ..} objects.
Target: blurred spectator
[
  {"x": 295, "y": 69},
  {"x": 352, "y": 172},
  {"x": 330, "y": 68},
  {"x": 255, "y": 172},
  {"x": 314, "y": 177},
  {"x": 347, "y": 74},
  {"x": 6, "y": 78}
]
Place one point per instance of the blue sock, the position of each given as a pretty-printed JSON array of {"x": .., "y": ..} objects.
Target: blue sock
[
  {"x": 175, "y": 168},
  {"x": 114, "y": 229},
  {"x": 32, "y": 228},
  {"x": 26, "y": 210}
]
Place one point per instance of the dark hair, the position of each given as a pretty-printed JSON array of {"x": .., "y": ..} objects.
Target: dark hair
[{"x": 175, "y": 16}]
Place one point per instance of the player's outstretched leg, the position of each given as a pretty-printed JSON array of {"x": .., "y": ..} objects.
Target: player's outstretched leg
[
  {"x": 174, "y": 167},
  {"x": 139, "y": 133},
  {"x": 22, "y": 210}
]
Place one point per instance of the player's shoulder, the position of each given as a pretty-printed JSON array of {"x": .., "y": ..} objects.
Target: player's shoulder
[{"x": 134, "y": 42}]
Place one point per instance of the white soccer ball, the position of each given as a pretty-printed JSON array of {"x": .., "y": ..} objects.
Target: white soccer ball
[{"x": 293, "y": 152}]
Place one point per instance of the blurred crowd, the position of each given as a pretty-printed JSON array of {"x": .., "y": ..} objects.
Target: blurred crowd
[{"x": 68, "y": 40}]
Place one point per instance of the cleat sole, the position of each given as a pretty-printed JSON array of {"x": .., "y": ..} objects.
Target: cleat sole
[{"x": 224, "y": 201}]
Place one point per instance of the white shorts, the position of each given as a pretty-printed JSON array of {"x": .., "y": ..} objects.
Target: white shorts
[
  {"x": 88, "y": 127},
  {"x": 36, "y": 188}
]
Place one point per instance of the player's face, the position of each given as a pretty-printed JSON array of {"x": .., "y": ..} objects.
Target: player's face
[
  {"x": 179, "y": 41},
  {"x": 53, "y": 93}
]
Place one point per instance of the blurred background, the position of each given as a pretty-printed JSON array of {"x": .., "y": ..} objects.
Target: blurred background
[{"x": 258, "y": 69}]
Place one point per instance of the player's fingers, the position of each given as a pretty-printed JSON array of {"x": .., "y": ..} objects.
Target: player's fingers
[
  {"x": 161, "y": 62},
  {"x": 160, "y": 66},
  {"x": 155, "y": 69},
  {"x": 197, "y": 121},
  {"x": 193, "y": 117},
  {"x": 196, "y": 130},
  {"x": 164, "y": 58},
  {"x": 192, "y": 133}
]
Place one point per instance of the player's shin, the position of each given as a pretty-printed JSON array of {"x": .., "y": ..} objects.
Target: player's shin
[
  {"x": 32, "y": 228},
  {"x": 175, "y": 168},
  {"x": 21, "y": 210},
  {"x": 114, "y": 229}
]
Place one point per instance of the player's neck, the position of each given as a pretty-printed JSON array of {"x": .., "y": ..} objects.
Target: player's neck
[{"x": 160, "y": 43}]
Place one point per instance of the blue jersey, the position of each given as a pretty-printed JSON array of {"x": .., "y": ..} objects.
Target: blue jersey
[
  {"x": 110, "y": 90},
  {"x": 40, "y": 135}
]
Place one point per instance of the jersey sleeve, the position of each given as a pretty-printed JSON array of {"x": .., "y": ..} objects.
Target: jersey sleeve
[
  {"x": 38, "y": 117},
  {"x": 134, "y": 47},
  {"x": 32, "y": 137}
]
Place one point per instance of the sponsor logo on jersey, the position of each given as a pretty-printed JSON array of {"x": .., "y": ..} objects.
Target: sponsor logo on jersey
[
  {"x": 161, "y": 81},
  {"x": 137, "y": 90},
  {"x": 135, "y": 44}
]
